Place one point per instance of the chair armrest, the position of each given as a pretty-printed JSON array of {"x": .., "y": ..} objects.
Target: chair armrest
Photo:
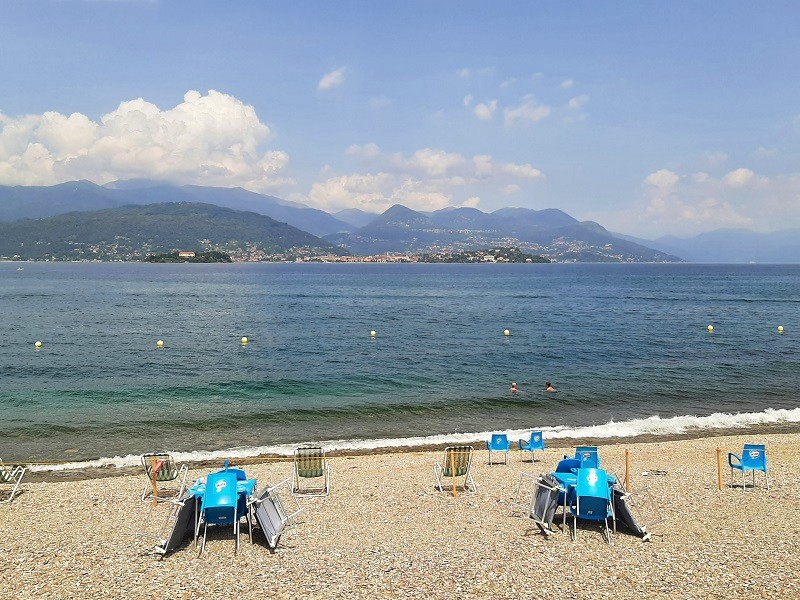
[{"x": 738, "y": 458}]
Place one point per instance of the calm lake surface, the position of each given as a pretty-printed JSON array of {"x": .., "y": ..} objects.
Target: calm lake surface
[{"x": 626, "y": 346}]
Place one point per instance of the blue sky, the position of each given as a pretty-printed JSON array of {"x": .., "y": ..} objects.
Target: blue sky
[{"x": 650, "y": 118}]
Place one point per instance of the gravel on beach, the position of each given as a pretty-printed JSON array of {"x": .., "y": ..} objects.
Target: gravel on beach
[{"x": 385, "y": 531}]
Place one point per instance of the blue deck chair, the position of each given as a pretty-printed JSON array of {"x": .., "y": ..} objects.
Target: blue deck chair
[
  {"x": 12, "y": 476},
  {"x": 593, "y": 500},
  {"x": 753, "y": 458},
  {"x": 536, "y": 442},
  {"x": 498, "y": 443},
  {"x": 220, "y": 504}
]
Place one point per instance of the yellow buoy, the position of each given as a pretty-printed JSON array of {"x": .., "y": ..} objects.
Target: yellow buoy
[
  {"x": 710, "y": 328},
  {"x": 373, "y": 333},
  {"x": 780, "y": 328},
  {"x": 160, "y": 344},
  {"x": 38, "y": 344},
  {"x": 244, "y": 340},
  {"x": 506, "y": 332}
]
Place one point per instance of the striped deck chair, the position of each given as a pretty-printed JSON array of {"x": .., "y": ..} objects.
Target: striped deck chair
[
  {"x": 12, "y": 476},
  {"x": 312, "y": 473},
  {"x": 160, "y": 468},
  {"x": 457, "y": 462}
]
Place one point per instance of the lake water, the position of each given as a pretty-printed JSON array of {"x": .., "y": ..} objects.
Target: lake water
[{"x": 626, "y": 346}]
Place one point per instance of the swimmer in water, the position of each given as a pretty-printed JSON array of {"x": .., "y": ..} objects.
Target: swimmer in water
[
  {"x": 548, "y": 387},
  {"x": 514, "y": 389}
]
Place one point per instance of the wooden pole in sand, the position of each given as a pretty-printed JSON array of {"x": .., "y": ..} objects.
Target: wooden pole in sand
[
  {"x": 719, "y": 468},
  {"x": 627, "y": 470},
  {"x": 453, "y": 470}
]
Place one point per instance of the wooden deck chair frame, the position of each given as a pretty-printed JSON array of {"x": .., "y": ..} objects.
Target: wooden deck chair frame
[
  {"x": 310, "y": 462},
  {"x": 160, "y": 467},
  {"x": 13, "y": 476},
  {"x": 460, "y": 459}
]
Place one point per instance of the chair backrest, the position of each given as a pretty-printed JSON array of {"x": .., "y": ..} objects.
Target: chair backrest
[
  {"x": 754, "y": 456},
  {"x": 566, "y": 465},
  {"x": 499, "y": 441},
  {"x": 5, "y": 473},
  {"x": 309, "y": 461},
  {"x": 163, "y": 465},
  {"x": 581, "y": 449},
  {"x": 589, "y": 460},
  {"x": 220, "y": 498},
  {"x": 536, "y": 441},
  {"x": 593, "y": 494},
  {"x": 458, "y": 458}
]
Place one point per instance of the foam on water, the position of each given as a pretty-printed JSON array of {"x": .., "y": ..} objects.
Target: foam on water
[{"x": 653, "y": 425}]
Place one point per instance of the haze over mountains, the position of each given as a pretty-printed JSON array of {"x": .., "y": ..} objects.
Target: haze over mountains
[{"x": 550, "y": 232}]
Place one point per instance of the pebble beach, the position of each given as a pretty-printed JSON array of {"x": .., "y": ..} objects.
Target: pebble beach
[{"x": 386, "y": 531}]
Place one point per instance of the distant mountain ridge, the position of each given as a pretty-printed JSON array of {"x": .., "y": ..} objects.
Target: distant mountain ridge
[
  {"x": 548, "y": 232},
  {"x": 131, "y": 232},
  {"x": 36, "y": 202}
]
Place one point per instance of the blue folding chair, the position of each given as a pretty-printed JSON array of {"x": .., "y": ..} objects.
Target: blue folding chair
[
  {"x": 498, "y": 443},
  {"x": 593, "y": 500},
  {"x": 753, "y": 458},
  {"x": 536, "y": 442},
  {"x": 588, "y": 456},
  {"x": 220, "y": 504}
]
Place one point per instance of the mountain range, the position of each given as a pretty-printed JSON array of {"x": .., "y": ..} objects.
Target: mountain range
[{"x": 550, "y": 232}]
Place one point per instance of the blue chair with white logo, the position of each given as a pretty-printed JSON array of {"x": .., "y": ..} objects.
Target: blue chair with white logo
[
  {"x": 588, "y": 456},
  {"x": 220, "y": 504},
  {"x": 498, "y": 443},
  {"x": 536, "y": 442},
  {"x": 753, "y": 458},
  {"x": 593, "y": 500}
]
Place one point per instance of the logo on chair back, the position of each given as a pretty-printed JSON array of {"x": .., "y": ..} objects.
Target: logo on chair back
[
  {"x": 536, "y": 438},
  {"x": 221, "y": 485},
  {"x": 587, "y": 455},
  {"x": 755, "y": 453},
  {"x": 592, "y": 478}
]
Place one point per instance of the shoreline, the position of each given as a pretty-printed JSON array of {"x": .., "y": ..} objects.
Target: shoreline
[
  {"x": 385, "y": 531},
  {"x": 94, "y": 472}
]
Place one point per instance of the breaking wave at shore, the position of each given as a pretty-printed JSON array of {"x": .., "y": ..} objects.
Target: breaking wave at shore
[{"x": 654, "y": 426}]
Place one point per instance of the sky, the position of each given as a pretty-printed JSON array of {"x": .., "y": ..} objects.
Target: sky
[{"x": 651, "y": 118}]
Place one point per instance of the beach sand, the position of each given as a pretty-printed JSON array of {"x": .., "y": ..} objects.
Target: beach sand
[{"x": 387, "y": 532}]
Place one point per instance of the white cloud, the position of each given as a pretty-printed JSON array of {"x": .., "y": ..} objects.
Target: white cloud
[
  {"x": 428, "y": 179},
  {"x": 207, "y": 140},
  {"x": 578, "y": 102},
  {"x": 464, "y": 73},
  {"x": 662, "y": 179},
  {"x": 485, "y": 111},
  {"x": 739, "y": 177},
  {"x": 696, "y": 202},
  {"x": 369, "y": 151},
  {"x": 331, "y": 80},
  {"x": 567, "y": 84},
  {"x": 471, "y": 202},
  {"x": 528, "y": 111},
  {"x": 511, "y": 188},
  {"x": 468, "y": 99}
]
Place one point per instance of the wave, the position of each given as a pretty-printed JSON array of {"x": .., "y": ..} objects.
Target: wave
[{"x": 653, "y": 425}]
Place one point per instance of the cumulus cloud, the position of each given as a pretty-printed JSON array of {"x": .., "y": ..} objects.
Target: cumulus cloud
[
  {"x": 331, "y": 80},
  {"x": 567, "y": 84},
  {"x": 471, "y": 202},
  {"x": 529, "y": 111},
  {"x": 428, "y": 179},
  {"x": 485, "y": 111},
  {"x": 578, "y": 102},
  {"x": 690, "y": 203},
  {"x": 208, "y": 140},
  {"x": 378, "y": 102},
  {"x": 468, "y": 99}
]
